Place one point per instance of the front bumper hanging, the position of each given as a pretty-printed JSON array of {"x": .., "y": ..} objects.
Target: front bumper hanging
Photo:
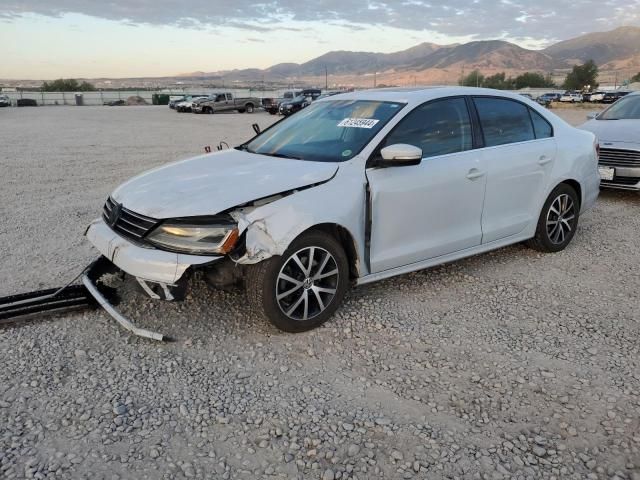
[{"x": 91, "y": 278}]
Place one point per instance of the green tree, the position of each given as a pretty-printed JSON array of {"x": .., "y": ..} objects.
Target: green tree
[
  {"x": 532, "y": 80},
  {"x": 68, "y": 85},
  {"x": 635, "y": 78},
  {"x": 498, "y": 81},
  {"x": 582, "y": 77},
  {"x": 474, "y": 79}
]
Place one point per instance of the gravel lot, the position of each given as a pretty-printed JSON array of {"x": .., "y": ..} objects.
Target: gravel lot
[{"x": 509, "y": 365}]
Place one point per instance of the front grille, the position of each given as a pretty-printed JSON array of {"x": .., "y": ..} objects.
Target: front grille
[
  {"x": 619, "y": 158},
  {"x": 129, "y": 224},
  {"x": 617, "y": 180}
]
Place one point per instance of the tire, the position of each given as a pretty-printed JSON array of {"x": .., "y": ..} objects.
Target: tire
[
  {"x": 306, "y": 301},
  {"x": 209, "y": 111},
  {"x": 558, "y": 220},
  {"x": 248, "y": 108}
]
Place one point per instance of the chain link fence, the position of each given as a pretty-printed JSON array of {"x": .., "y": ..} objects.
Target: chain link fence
[{"x": 103, "y": 97}]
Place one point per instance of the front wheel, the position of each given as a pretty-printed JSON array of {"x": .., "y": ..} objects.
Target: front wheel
[
  {"x": 558, "y": 220},
  {"x": 301, "y": 289}
]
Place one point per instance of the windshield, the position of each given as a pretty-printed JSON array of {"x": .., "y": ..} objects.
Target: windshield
[
  {"x": 328, "y": 131},
  {"x": 627, "y": 108}
]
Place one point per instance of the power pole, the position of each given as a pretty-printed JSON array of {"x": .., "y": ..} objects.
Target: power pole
[
  {"x": 374, "y": 79},
  {"x": 326, "y": 78}
]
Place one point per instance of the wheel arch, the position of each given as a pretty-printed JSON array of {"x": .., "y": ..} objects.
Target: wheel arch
[
  {"x": 264, "y": 246},
  {"x": 576, "y": 186},
  {"x": 346, "y": 239}
]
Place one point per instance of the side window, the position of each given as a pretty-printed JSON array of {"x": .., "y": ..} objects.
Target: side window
[
  {"x": 439, "y": 127},
  {"x": 541, "y": 127},
  {"x": 220, "y": 98},
  {"x": 503, "y": 121},
  {"x": 228, "y": 96}
]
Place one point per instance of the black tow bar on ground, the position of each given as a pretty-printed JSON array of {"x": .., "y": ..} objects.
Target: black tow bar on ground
[
  {"x": 25, "y": 306},
  {"x": 90, "y": 294}
]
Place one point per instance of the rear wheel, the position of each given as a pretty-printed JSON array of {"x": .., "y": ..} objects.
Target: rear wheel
[
  {"x": 558, "y": 220},
  {"x": 301, "y": 289},
  {"x": 248, "y": 108}
]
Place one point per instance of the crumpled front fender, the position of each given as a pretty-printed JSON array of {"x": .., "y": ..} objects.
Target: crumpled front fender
[{"x": 269, "y": 231}]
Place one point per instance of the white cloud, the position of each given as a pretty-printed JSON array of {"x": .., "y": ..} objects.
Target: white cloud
[{"x": 544, "y": 20}]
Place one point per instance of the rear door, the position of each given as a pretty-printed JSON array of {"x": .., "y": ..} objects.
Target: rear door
[
  {"x": 519, "y": 151},
  {"x": 424, "y": 211}
]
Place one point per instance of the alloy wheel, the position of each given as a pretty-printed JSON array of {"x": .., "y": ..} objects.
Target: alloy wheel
[
  {"x": 560, "y": 219},
  {"x": 307, "y": 283}
]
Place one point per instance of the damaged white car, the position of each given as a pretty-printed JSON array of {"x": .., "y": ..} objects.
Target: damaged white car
[{"x": 355, "y": 188}]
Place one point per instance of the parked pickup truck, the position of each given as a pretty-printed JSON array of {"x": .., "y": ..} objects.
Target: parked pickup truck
[{"x": 222, "y": 102}]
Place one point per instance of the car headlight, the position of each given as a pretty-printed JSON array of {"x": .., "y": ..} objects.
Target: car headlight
[{"x": 195, "y": 239}]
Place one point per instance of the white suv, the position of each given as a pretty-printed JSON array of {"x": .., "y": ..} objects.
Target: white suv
[
  {"x": 355, "y": 188},
  {"x": 571, "y": 97}
]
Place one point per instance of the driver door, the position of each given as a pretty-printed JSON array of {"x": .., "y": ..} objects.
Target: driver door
[
  {"x": 434, "y": 208},
  {"x": 221, "y": 103}
]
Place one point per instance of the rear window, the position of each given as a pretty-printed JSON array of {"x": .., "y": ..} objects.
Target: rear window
[{"x": 504, "y": 121}]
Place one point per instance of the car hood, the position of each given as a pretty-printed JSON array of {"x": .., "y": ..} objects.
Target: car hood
[
  {"x": 627, "y": 131},
  {"x": 215, "y": 182}
]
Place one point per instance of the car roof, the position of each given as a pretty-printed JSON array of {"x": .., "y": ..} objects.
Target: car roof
[{"x": 413, "y": 95}]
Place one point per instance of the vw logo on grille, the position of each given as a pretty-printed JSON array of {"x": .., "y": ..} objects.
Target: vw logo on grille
[{"x": 114, "y": 214}]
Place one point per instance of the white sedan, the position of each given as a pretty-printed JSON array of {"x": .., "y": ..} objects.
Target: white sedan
[
  {"x": 187, "y": 105},
  {"x": 355, "y": 188}
]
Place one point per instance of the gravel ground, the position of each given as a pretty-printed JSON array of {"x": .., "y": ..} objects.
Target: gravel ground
[{"x": 509, "y": 365}]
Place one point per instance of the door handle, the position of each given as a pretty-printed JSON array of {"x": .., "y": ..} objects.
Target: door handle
[
  {"x": 543, "y": 160},
  {"x": 474, "y": 173}
]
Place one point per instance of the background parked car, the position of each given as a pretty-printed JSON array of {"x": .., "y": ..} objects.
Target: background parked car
[
  {"x": 5, "y": 101},
  {"x": 174, "y": 100},
  {"x": 295, "y": 105},
  {"x": 26, "y": 102},
  {"x": 611, "y": 97},
  {"x": 547, "y": 98},
  {"x": 270, "y": 105},
  {"x": 187, "y": 104},
  {"x": 573, "y": 97},
  {"x": 273, "y": 105},
  {"x": 225, "y": 102},
  {"x": 596, "y": 97},
  {"x": 115, "y": 103},
  {"x": 619, "y": 141}
]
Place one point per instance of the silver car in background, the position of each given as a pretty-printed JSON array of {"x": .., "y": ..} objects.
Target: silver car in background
[
  {"x": 618, "y": 132},
  {"x": 353, "y": 189}
]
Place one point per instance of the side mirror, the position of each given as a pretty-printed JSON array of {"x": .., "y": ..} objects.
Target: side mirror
[
  {"x": 400, "y": 154},
  {"x": 592, "y": 115}
]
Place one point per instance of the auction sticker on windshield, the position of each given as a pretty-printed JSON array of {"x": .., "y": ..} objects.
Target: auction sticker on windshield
[{"x": 358, "y": 122}]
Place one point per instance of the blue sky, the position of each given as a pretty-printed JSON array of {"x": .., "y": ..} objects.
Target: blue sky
[{"x": 121, "y": 38}]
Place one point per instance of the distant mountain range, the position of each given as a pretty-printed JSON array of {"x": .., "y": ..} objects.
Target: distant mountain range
[{"x": 619, "y": 48}]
